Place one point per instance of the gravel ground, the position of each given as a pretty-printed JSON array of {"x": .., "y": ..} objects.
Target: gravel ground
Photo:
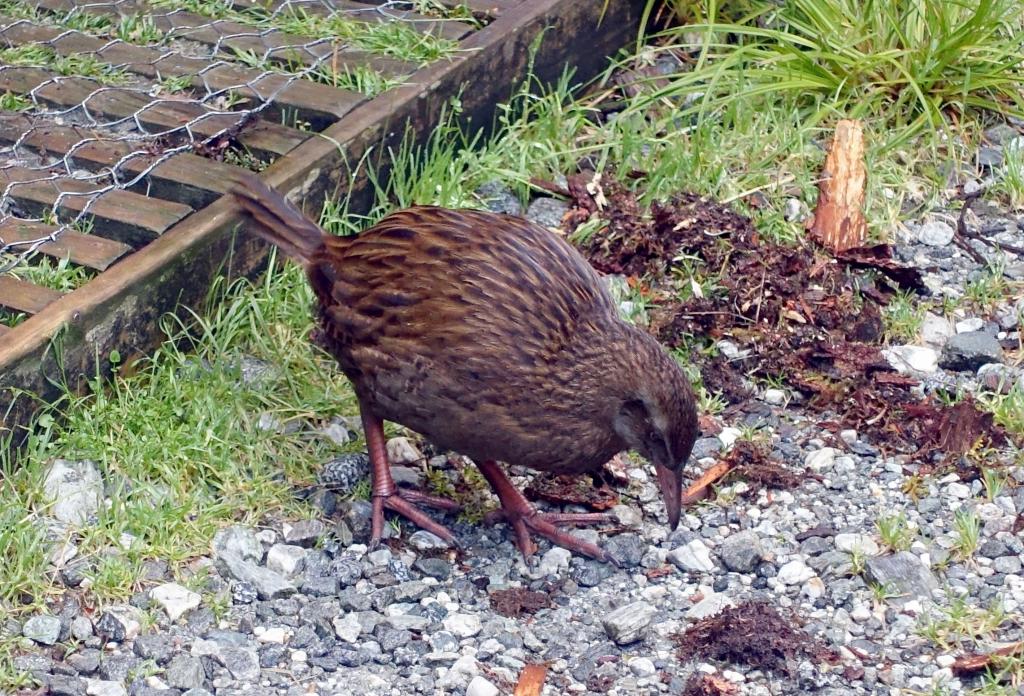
[{"x": 303, "y": 607}]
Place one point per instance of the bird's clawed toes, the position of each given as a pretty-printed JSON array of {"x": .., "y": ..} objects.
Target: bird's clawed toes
[{"x": 402, "y": 502}]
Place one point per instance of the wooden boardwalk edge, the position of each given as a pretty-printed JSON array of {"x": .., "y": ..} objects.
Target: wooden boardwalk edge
[{"x": 120, "y": 309}]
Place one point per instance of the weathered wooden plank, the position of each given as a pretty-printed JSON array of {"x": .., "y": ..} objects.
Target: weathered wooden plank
[
  {"x": 89, "y": 250},
  {"x": 227, "y": 37},
  {"x": 23, "y": 296},
  {"x": 482, "y": 9},
  {"x": 184, "y": 178},
  {"x": 317, "y": 103},
  {"x": 117, "y": 214},
  {"x": 365, "y": 12},
  {"x": 128, "y": 299},
  {"x": 263, "y": 138}
]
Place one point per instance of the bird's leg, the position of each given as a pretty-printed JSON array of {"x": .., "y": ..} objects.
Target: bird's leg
[
  {"x": 525, "y": 518},
  {"x": 386, "y": 494}
]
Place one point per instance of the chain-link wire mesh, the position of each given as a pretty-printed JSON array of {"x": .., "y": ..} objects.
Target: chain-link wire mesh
[{"x": 120, "y": 75}]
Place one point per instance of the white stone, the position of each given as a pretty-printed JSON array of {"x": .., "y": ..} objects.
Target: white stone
[
  {"x": 462, "y": 625},
  {"x": 857, "y": 543},
  {"x": 274, "y": 634},
  {"x": 642, "y": 667},
  {"x": 728, "y": 436},
  {"x": 347, "y": 628},
  {"x": 285, "y": 558},
  {"x": 175, "y": 599},
  {"x": 63, "y": 552},
  {"x": 553, "y": 562},
  {"x": 935, "y": 233},
  {"x": 628, "y": 623},
  {"x": 100, "y": 687},
  {"x": 958, "y": 490},
  {"x": 299, "y": 656},
  {"x": 479, "y": 686},
  {"x": 693, "y": 556},
  {"x": 794, "y": 573},
  {"x": 775, "y": 397},
  {"x": 849, "y": 436},
  {"x": 712, "y": 603},
  {"x": 820, "y": 460},
  {"x": 935, "y": 330},
  {"x": 813, "y": 588},
  {"x": 969, "y": 324},
  {"x": 402, "y": 451},
  {"x": 910, "y": 358},
  {"x": 75, "y": 489}
]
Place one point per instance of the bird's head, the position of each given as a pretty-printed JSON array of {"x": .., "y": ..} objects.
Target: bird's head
[{"x": 658, "y": 419}]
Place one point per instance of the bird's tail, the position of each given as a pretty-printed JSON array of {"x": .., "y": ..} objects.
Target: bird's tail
[{"x": 277, "y": 219}]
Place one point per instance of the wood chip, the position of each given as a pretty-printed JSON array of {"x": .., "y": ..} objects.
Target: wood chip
[
  {"x": 531, "y": 680},
  {"x": 839, "y": 222}
]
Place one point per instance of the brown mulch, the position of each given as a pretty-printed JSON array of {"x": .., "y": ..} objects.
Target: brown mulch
[
  {"x": 571, "y": 489},
  {"x": 805, "y": 315},
  {"x": 517, "y": 601},
  {"x": 752, "y": 634},
  {"x": 708, "y": 685}
]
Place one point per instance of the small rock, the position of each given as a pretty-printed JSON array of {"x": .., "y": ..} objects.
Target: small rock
[
  {"x": 966, "y": 352},
  {"x": 401, "y": 451},
  {"x": 642, "y": 667},
  {"x": 956, "y": 489},
  {"x": 910, "y": 358},
  {"x": 267, "y": 583},
  {"x": 935, "y": 330},
  {"x": 433, "y": 567},
  {"x": 61, "y": 685},
  {"x": 627, "y": 516},
  {"x": 463, "y": 625},
  {"x": 813, "y": 588},
  {"x": 795, "y": 572},
  {"x": 857, "y": 543},
  {"x": 693, "y": 556},
  {"x": 499, "y": 198},
  {"x": 969, "y": 324},
  {"x": 712, "y": 603},
  {"x": 479, "y": 686},
  {"x": 304, "y": 532},
  {"x": 175, "y": 599},
  {"x": 120, "y": 622},
  {"x": 628, "y": 624},
  {"x": 344, "y": 472},
  {"x": 775, "y": 397},
  {"x": 238, "y": 541},
  {"x": 547, "y": 212},
  {"x": 185, "y": 672},
  {"x": 423, "y": 540},
  {"x": 42, "y": 629},
  {"x": 741, "y": 552},
  {"x": 347, "y": 628},
  {"x": 729, "y": 436},
  {"x": 81, "y": 628},
  {"x": 286, "y": 559},
  {"x": 795, "y": 210},
  {"x": 100, "y": 687},
  {"x": 935, "y": 233},
  {"x": 75, "y": 489},
  {"x": 243, "y": 663},
  {"x": 820, "y": 460},
  {"x": 904, "y": 573},
  {"x": 554, "y": 561}
]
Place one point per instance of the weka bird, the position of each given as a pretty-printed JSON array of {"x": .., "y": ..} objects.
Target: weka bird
[{"x": 492, "y": 337}]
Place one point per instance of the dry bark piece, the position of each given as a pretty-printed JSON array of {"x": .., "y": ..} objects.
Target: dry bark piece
[
  {"x": 701, "y": 488},
  {"x": 972, "y": 664},
  {"x": 839, "y": 222},
  {"x": 531, "y": 680}
]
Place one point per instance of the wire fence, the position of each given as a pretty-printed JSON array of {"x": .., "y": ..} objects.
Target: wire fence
[{"x": 120, "y": 76}]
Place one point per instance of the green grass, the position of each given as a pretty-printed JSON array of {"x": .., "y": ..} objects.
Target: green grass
[
  {"x": 916, "y": 66},
  {"x": 903, "y": 317},
  {"x": 966, "y": 534},
  {"x": 58, "y": 274},
  {"x": 895, "y": 531},
  {"x": 79, "y": 65},
  {"x": 1010, "y": 177},
  {"x": 14, "y": 102}
]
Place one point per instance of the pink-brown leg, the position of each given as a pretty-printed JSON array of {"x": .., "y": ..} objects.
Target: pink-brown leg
[
  {"x": 525, "y": 518},
  {"x": 386, "y": 494}
]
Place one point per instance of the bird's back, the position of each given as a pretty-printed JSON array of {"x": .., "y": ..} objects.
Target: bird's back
[{"x": 465, "y": 325}]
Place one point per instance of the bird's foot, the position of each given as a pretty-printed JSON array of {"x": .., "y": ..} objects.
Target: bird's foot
[
  {"x": 404, "y": 501},
  {"x": 545, "y": 524},
  {"x": 524, "y": 518}
]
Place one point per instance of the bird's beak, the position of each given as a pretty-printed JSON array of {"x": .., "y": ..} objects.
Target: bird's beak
[{"x": 671, "y": 483}]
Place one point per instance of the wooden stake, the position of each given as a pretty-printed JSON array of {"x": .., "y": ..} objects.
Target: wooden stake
[
  {"x": 531, "y": 680},
  {"x": 839, "y": 222}
]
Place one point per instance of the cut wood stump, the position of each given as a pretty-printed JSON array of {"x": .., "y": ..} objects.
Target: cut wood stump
[{"x": 839, "y": 222}]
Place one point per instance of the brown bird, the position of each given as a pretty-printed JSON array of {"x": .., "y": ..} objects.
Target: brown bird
[{"x": 493, "y": 337}]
